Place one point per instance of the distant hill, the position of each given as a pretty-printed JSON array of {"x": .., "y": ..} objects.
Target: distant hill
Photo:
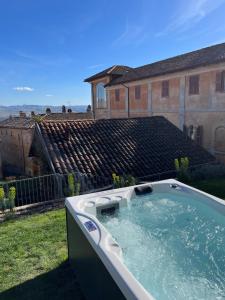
[{"x": 6, "y": 111}]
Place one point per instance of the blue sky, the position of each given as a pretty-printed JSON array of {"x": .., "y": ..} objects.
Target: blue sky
[{"x": 48, "y": 47}]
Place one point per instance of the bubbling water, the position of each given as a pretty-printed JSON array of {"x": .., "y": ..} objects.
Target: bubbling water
[{"x": 173, "y": 244}]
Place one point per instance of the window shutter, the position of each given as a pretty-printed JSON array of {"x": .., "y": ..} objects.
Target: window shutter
[
  {"x": 165, "y": 88},
  {"x": 138, "y": 92},
  {"x": 117, "y": 94},
  {"x": 218, "y": 81},
  {"x": 194, "y": 85}
]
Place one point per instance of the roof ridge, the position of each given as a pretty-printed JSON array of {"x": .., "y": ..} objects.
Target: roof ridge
[
  {"x": 180, "y": 55},
  {"x": 209, "y": 55},
  {"x": 101, "y": 120}
]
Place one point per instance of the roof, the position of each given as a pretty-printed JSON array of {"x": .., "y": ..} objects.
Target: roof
[
  {"x": 18, "y": 122},
  {"x": 203, "y": 57},
  {"x": 68, "y": 116},
  {"x": 114, "y": 70},
  {"x": 138, "y": 146}
]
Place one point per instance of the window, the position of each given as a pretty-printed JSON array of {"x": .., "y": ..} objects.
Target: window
[
  {"x": 101, "y": 95},
  {"x": 165, "y": 88},
  {"x": 220, "y": 81},
  {"x": 138, "y": 92},
  {"x": 117, "y": 94},
  {"x": 194, "y": 85}
]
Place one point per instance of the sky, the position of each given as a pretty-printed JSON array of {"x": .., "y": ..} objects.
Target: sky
[{"x": 47, "y": 48}]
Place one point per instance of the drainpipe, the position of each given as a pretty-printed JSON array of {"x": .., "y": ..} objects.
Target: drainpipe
[{"x": 128, "y": 100}]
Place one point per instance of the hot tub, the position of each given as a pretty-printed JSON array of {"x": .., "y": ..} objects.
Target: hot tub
[{"x": 164, "y": 240}]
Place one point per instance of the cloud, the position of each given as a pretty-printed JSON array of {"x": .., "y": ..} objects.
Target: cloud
[
  {"x": 133, "y": 33},
  {"x": 42, "y": 60},
  {"x": 23, "y": 89},
  {"x": 48, "y": 95},
  {"x": 189, "y": 14},
  {"x": 95, "y": 66}
]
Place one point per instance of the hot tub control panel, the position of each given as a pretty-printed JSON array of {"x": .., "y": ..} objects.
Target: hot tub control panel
[{"x": 90, "y": 226}]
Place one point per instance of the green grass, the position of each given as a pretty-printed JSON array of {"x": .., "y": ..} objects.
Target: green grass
[
  {"x": 33, "y": 259},
  {"x": 33, "y": 254},
  {"x": 215, "y": 187}
]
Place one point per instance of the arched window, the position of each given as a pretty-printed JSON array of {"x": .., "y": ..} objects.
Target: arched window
[{"x": 101, "y": 95}]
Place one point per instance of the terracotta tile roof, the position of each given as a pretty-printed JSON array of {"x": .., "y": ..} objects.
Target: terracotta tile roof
[
  {"x": 68, "y": 116},
  {"x": 18, "y": 122},
  {"x": 113, "y": 71},
  {"x": 139, "y": 146},
  {"x": 203, "y": 57}
]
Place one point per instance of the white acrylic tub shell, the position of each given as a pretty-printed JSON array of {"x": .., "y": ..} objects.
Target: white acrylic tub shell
[{"x": 83, "y": 209}]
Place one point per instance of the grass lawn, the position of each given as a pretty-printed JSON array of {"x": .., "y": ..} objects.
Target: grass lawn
[
  {"x": 215, "y": 187},
  {"x": 33, "y": 254},
  {"x": 33, "y": 259}
]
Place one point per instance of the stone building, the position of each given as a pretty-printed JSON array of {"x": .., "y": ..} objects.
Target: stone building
[
  {"x": 17, "y": 157},
  {"x": 16, "y": 135},
  {"x": 189, "y": 90}
]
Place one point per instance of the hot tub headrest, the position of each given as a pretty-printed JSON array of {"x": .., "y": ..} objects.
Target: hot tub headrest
[{"x": 143, "y": 190}]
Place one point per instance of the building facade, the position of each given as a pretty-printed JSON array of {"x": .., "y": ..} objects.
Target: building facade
[
  {"x": 16, "y": 135},
  {"x": 17, "y": 157},
  {"x": 189, "y": 90}
]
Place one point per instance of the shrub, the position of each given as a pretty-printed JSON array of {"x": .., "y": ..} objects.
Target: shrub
[
  {"x": 37, "y": 118},
  {"x": 181, "y": 166},
  {"x": 2, "y": 198},
  {"x": 11, "y": 197},
  {"x": 73, "y": 186},
  {"x": 7, "y": 201},
  {"x": 123, "y": 181}
]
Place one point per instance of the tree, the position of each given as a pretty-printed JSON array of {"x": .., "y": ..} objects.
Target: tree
[
  {"x": 69, "y": 110},
  {"x": 89, "y": 108},
  {"x": 63, "y": 109},
  {"x": 48, "y": 111}
]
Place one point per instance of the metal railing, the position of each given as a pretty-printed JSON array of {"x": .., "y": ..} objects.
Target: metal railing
[
  {"x": 56, "y": 186},
  {"x": 52, "y": 187}
]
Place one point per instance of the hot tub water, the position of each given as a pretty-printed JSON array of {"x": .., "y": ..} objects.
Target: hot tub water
[{"x": 173, "y": 244}]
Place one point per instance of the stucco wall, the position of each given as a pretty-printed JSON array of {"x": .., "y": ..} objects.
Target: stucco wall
[
  {"x": 139, "y": 105},
  {"x": 166, "y": 104},
  {"x": 15, "y": 147},
  {"x": 206, "y": 109},
  {"x": 118, "y": 105}
]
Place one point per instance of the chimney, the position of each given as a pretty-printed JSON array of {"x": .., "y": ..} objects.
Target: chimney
[{"x": 22, "y": 114}]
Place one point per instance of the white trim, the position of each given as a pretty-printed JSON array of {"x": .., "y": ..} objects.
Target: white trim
[{"x": 101, "y": 103}]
